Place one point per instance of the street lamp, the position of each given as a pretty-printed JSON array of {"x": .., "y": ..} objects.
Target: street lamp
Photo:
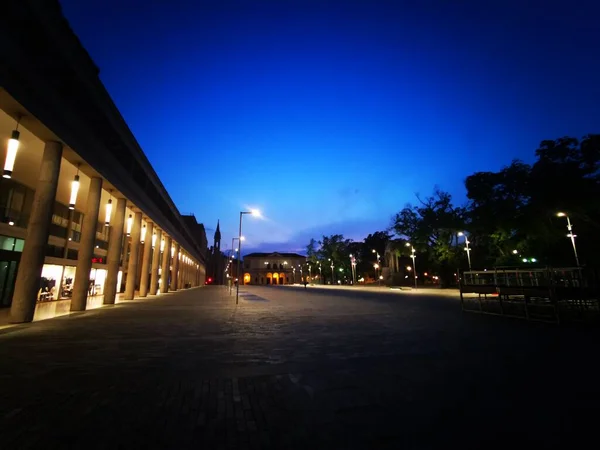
[
  {"x": 332, "y": 272},
  {"x": 241, "y": 238},
  {"x": 413, "y": 256},
  {"x": 467, "y": 249},
  {"x": 570, "y": 235},
  {"x": 294, "y": 272},
  {"x": 253, "y": 212},
  {"x": 309, "y": 273},
  {"x": 320, "y": 274},
  {"x": 353, "y": 265},
  {"x": 376, "y": 267}
]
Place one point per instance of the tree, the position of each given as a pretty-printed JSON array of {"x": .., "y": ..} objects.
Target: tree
[
  {"x": 312, "y": 252},
  {"x": 432, "y": 228},
  {"x": 515, "y": 208},
  {"x": 498, "y": 211}
]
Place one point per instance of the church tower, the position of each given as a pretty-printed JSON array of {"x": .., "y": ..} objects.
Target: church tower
[
  {"x": 217, "y": 258},
  {"x": 217, "y": 243}
]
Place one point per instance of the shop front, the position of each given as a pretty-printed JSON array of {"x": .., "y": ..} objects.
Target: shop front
[{"x": 57, "y": 281}]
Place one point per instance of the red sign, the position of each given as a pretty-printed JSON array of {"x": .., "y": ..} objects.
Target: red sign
[{"x": 98, "y": 260}]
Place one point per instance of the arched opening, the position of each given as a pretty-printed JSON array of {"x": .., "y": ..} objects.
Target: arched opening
[
  {"x": 269, "y": 278},
  {"x": 282, "y": 278},
  {"x": 275, "y": 278},
  {"x": 246, "y": 278}
]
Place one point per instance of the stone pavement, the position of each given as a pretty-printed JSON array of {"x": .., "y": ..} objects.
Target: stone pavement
[{"x": 295, "y": 369}]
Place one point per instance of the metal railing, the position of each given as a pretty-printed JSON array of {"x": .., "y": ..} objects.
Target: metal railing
[{"x": 550, "y": 294}]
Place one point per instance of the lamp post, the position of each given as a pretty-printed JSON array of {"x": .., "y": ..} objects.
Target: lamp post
[
  {"x": 571, "y": 235},
  {"x": 413, "y": 256},
  {"x": 301, "y": 275},
  {"x": 332, "y": 272},
  {"x": 353, "y": 266},
  {"x": 467, "y": 249},
  {"x": 254, "y": 212},
  {"x": 378, "y": 264},
  {"x": 294, "y": 271},
  {"x": 309, "y": 273},
  {"x": 320, "y": 274},
  {"x": 376, "y": 267}
]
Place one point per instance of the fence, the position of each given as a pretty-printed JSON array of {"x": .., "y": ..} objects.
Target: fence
[{"x": 547, "y": 294}]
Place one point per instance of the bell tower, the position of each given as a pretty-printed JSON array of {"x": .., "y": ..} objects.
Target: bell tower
[
  {"x": 217, "y": 258},
  {"x": 217, "y": 243}
]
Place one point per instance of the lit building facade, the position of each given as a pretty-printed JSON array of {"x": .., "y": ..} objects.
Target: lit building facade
[
  {"x": 83, "y": 215},
  {"x": 274, "y": 268}
]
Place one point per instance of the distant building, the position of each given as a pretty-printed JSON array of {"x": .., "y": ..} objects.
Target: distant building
[
  {"x": 218, "y": 261},
  {"x": 274, "y": 268}
]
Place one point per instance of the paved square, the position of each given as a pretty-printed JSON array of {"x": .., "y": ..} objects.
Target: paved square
[{"x": 290, "y": 368}]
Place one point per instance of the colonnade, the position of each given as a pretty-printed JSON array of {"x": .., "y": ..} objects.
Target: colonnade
[{"x": 156, "y": 262}]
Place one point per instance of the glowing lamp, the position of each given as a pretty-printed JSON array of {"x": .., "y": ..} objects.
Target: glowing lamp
[
  {"x": 129, "y": 224},
  {"x": 108, "y": 212},
  {"x": 74, "y": 191},
  {"x": 11, "y": 154}
]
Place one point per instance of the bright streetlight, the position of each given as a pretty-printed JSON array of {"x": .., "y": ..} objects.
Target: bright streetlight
[
  {"x": 467, "y": 249},
  {"x": 353, "y": 266},
  {"x": 332, "y": 272},
  {"x": 570, "y": 235},
  {"x": 320, "y": 274},
  {"x": 413, "y": 256},
  {"x": 256, "y": 213},
  {"x": 231, "y": 256}
]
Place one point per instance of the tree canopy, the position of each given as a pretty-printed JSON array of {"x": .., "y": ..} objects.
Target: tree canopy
[{"x": 511, "y": 215}]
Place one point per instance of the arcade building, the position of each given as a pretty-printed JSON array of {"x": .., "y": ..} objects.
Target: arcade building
[
  {"x": 83, "y": 214},
  {"x": 274, "y": 268}
]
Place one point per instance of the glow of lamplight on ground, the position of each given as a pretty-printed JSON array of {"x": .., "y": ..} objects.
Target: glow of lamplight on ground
[{"x": 49, "y": 310}]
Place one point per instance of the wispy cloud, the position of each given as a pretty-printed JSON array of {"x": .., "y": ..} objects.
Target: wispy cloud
[{"x": 356, "y": 230}]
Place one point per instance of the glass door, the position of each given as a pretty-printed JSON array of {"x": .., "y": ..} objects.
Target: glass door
[{"x": 8, "y": 272}]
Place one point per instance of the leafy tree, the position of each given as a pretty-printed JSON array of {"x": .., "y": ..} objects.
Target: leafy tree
[
  {"x": 312, "y": 252},
  {"x": 432, "y": 228},
  {"x": 498, "y": 211}
]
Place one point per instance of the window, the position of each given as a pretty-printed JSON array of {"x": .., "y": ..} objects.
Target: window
[
  {"x": 19, "y": 243},
  {"x": 7, "y": 243},
  {"x": 15, "y": 202}
]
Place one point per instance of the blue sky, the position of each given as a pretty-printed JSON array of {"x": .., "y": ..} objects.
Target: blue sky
[{"x": 330, "y": 115}]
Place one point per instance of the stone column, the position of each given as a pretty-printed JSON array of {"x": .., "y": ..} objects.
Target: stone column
[
  {"x": 180, "y": 282},
  {"x": 155, "y": 263},
  {"x": 134, "y": 257},
  {"x": 86, "y": 246},
  {"x": 175, "y": 276},
  {"x": 29, "y": 275},
  {"x": 164, "y": 275},
  {"x": 146, "y": 260},
  {"x": 115, "y": 252},
  {"x": 186, "y": 273}
]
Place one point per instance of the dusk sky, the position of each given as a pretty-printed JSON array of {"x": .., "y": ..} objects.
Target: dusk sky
[{"x": 329, "y": 116}]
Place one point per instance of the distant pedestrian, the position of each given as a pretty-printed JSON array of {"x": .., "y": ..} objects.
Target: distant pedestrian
[{"x": 305, "y": 284}]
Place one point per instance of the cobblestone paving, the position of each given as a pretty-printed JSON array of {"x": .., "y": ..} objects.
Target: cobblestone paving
[{"x": 295, "y": 369}]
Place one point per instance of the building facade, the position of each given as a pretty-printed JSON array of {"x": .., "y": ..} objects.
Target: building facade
[
  {"x": 274, "y": 268},
  {"x": 84, "y": 215}
]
